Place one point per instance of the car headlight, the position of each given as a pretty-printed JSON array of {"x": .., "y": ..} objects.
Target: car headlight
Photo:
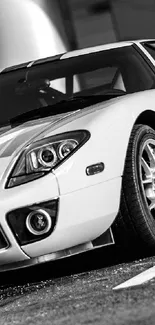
[{"x": 42, "y": 156}]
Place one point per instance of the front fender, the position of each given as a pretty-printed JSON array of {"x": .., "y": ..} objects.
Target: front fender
[{"x": 110, "y": 130}]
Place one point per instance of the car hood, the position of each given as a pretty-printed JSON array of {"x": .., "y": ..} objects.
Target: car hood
[
  {"x": 12, "y": 140},
  {"x": 15, "y": 139}
]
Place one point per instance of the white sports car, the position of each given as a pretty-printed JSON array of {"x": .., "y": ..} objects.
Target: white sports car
[{"x": 77, "y": 153}]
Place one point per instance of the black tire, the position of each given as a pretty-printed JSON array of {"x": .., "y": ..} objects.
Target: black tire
[{"x": 135, "y": 224}]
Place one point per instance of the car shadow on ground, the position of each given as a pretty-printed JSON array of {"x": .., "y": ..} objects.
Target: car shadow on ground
[{"x": 85, "y": 262}]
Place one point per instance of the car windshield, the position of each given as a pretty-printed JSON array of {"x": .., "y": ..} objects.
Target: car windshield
[{"x": 51, "y": 87}]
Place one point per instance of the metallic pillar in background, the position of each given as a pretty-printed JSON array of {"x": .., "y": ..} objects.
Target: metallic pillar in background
[
  {"x": 133, "y": 19},
  {"x": 58, "y": 11},
  {"x": 28, "y": 32},
  {"x": 68, "y": 23}
]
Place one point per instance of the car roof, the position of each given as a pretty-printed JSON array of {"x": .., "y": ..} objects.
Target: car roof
[
  {"x": 75, "y": 53},
  {"x": 103, "y": 47},
  {"x": 95, "y": 49}
]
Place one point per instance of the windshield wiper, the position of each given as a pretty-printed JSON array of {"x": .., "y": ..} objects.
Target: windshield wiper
[{"x": 63, "y": 106}]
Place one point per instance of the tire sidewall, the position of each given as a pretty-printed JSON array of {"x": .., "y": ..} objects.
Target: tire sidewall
[{"x": 144, "y": 133}]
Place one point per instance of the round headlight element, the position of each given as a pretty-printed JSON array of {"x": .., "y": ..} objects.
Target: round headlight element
[
  {"x": 47, "y": 156},
  {"x": 38, "y": 222},
  {"x": 66, "y": 147}
]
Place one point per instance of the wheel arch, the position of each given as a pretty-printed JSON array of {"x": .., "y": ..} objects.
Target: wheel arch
[
  {"x": 146, "y": 118},
  {"x": 134, "y": 225}
]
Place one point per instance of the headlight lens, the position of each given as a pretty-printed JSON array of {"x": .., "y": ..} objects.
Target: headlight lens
[
  {"x": 41, "y": 156},
  {"x": 47, "y": 156},
  {"x": 66, "y": 148}
]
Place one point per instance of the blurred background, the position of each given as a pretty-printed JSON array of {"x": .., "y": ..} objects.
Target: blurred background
[
  {"x": 93, "y": 22},
  {"x": 31, "y": 29}
]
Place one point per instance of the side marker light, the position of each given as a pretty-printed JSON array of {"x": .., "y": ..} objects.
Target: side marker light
[{"x": 95, "y": 169}]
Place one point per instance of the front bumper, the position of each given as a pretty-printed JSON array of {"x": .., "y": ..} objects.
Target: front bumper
[
  {"x": 11, "y": 199},
  {"x": 46, "y": 258},
  {"x": 83, "y": 215},
  {"x": 107, "y": 239}
]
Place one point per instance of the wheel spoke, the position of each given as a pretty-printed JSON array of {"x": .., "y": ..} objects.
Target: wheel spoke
[
  {"x": 152, "y": 205},
  {"x": 151, "y": 154},
  {"x": 147, "y": 181},
  {"x": 146, "y": 167}
]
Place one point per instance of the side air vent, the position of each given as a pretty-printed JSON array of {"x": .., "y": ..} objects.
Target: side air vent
[{"x": 3, "y": 241}]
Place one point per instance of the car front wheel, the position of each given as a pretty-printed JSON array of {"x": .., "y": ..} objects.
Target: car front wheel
[{"x": 135, "y": 223}]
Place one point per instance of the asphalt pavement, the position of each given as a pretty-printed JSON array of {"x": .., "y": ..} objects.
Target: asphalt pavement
[{"x": 75, "y": 293}]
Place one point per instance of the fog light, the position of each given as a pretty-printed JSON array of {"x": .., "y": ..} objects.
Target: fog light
[{"x": 38, "y": 222}]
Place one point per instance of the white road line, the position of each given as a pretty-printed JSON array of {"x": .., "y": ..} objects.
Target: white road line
[{"x": 138, "y": 279}]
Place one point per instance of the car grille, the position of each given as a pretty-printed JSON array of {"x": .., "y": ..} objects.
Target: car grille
[{"x": 3, "y": 240}]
